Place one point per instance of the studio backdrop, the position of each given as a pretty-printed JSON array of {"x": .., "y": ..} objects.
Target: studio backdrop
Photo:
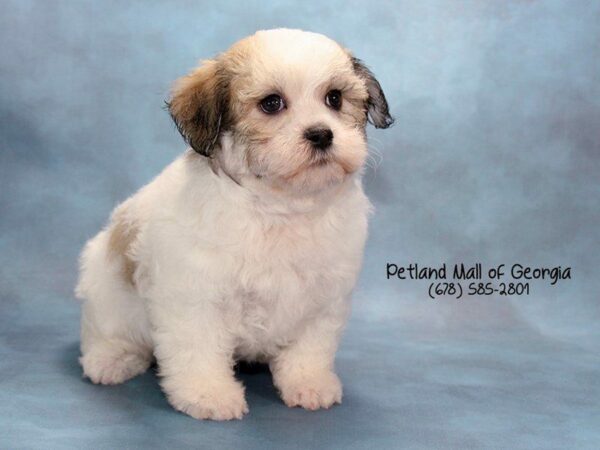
[{"x": 475, "y": 319}]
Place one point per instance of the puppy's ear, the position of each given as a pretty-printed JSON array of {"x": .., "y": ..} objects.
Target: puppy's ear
[
  {"x": 198, "y": 106},
  {"x": 377, "y": 107}
]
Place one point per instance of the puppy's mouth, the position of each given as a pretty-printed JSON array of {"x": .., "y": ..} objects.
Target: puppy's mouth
[
  {"x": 317, "y": 165},
  {"x": 320, "y": 159},
  {"x": 313, "y": 169}
]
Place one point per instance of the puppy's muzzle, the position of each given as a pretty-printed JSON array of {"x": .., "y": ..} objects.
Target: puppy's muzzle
[{"x": 319, "y": 137}]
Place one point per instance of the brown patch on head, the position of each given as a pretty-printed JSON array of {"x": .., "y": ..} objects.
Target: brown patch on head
[
  {"x": 122, "y": 234},
  {"x": 199, "y": 106},
  {"x": 208, "y": 101}
]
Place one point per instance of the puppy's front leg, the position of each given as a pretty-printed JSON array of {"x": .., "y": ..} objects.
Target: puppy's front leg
[
  {"x": 304, "y": 371},
  {"x": 194, "y": 352}
]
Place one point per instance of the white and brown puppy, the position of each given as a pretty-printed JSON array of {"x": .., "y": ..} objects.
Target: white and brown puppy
[{"x": 247, "y": 247}]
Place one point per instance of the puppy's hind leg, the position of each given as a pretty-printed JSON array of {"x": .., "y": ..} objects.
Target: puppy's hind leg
[
  {"x": 115, "y": 335},
  {"x": 110, "y": 353},
  {"x": 113, "y": 362}
]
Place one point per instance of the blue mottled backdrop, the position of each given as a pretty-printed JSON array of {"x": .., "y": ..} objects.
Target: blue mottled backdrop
[{"x": 494, "y": 158}]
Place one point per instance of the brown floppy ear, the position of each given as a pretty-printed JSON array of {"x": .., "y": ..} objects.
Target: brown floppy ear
[
  {"x": 378, "y": 111},
  {"x": 198, "y": 106}
]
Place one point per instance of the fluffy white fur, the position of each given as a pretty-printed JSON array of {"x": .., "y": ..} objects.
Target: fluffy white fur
[{"x": 212, "y": 262}]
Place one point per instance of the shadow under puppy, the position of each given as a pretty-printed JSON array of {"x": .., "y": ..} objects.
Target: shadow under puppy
[{"x": 246, "y": 247}]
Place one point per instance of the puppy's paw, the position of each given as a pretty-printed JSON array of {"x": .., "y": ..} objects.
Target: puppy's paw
[
  {"x": 314, "y": 391},
  {"x": 104, "y": 367},
  {"x": 206, "y": 400}
]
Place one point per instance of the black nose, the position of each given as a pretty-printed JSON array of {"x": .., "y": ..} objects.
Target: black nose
[{"x": 319, "y": 137}]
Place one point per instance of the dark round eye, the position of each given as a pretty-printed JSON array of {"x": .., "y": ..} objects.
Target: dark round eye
[
  {"x": 272, "y": 104},
  {"x": 334, "y": 99}
]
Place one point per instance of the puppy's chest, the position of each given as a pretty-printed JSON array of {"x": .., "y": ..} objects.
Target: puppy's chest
[
  {"x": 287, "y": 259},
  {"x": 286, "y": 274}
]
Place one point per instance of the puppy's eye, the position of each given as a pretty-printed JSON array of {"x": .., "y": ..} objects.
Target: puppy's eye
[
  {"x": 272, "y": 104},
  {"x": 333, "y": 99}
]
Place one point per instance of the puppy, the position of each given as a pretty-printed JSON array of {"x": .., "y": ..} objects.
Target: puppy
[{"x": 246, "y": 247}]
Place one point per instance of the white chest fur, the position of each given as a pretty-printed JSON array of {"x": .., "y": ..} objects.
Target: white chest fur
[
  {"x": 268, "y": 272},
  {"x": 289, "y": 273}
]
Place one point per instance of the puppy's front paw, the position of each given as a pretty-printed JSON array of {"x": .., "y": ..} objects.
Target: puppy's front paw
[
  {"x": 314, "y": 391},
  {"x": 203, "y": 399}
]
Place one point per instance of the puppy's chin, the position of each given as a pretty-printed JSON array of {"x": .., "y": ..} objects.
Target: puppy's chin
[
  {"x": 314, "y": 177},
  {"x": 299, "y": 169},
  {"x": 318, "y": 171}
]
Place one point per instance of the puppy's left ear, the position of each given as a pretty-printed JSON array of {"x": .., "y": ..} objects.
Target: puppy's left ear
[
  {"x": 377, "y": 107},
  {"x": 198, "y": 106}
]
